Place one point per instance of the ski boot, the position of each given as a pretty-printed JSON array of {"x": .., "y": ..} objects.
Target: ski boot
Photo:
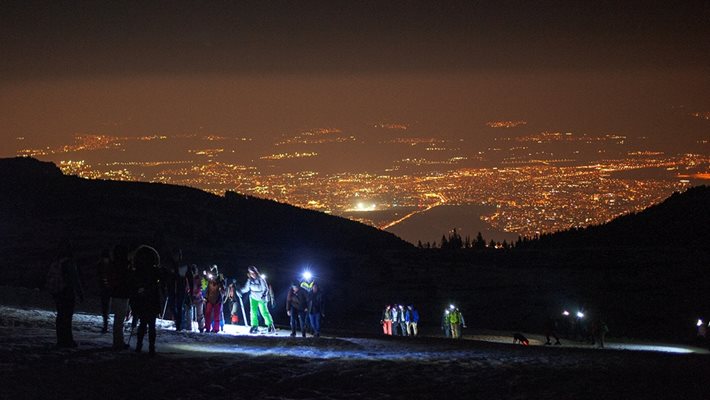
[{"x": 253, "y": 329}]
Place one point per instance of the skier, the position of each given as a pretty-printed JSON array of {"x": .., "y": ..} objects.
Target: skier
[
  {"x": 296, "y": 308},
  {"x": 198, "y": 301},
  {"x": 258, "y": 290},
  {"x": 145, "y": 300},
  {"x": 213, "y": 307}
]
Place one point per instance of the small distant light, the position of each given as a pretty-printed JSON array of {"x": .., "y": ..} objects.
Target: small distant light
[
  {"x": 263, "y": 276},
  {"x": 700, "y": 322},
  {"x": 580, "y": 314},
  {"x": 451, "y": 306},
  {"x": 307, "y": 275},
  {"x": 565, "y": 313}
]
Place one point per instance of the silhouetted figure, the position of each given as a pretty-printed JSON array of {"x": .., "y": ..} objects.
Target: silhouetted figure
[
  {"x": 551, "y": 331},
  {"x": 103, "y": 269},
  {"x": 599, "y": 329},
  {"x": 120, "y": 292},
  {"x": 64, "y": 285},
  {"x": 145, "y": 299},
  {"x": 316, "y": 308}
]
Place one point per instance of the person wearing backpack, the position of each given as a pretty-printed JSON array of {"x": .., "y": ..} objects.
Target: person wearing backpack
[
  {"x": 258, "y": 290},
  {"x": 145, "y": 297},
  {"x": 64, "y": 285}
]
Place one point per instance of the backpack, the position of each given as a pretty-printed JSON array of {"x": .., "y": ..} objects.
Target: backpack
[{"x": 55, "y": 277}]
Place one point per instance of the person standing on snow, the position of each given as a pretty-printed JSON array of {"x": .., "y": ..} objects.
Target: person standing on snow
[
  {"x": 194, "y": 280},
  {"x": 316, "y": 308},
  {"x": 457, "y": 322},
  {"x": 64, "y": 285},
  {"x": 258, "y": 290},
  {"x": 145, "y": 300},
  {"x": 413, "y": 320},
  {"x": 445, "y": 324},
  {"x": 213, "y": 307},
  {"x": 403, "y": 320},
  {"x": 386, "y": 320},
  {"x": 231, "y": 304},
  {"x": 396, "y": 319},
  {"x": 296, "y": 308}
]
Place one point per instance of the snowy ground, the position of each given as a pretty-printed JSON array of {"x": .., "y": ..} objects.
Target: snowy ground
[{"x": 235, "y": 364}]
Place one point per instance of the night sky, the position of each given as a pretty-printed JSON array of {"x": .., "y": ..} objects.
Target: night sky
[{"x": 271, "y": 68}]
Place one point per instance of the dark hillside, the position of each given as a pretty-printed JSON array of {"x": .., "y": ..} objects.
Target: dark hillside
[
  {"x": 647, "y": 273},
  {"x": 679, "y": 221},
  {"x": 39, "y": 207}
]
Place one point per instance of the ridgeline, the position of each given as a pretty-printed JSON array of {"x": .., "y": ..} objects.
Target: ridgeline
[{"x": 646, "y": 273}]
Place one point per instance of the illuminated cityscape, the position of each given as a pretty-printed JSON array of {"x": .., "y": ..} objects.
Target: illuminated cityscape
[{"x": 531, "y": 187}]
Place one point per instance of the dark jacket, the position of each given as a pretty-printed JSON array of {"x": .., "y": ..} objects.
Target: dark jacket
[
  {"x": 145, "y": 293},
  {"x": 315, "y": 303},
  {"x": 296, "y": 301}
]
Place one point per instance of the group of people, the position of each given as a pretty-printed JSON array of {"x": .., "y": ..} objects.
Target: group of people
[
  {"x": 127, "y": 275},
  {"x": 398, "y": 320},
  {"x": 305, "y": 307},
  {"x": 133, "y": 284}
]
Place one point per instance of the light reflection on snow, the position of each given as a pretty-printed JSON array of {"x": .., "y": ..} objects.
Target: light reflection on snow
[{"x": 646, "y": 347}]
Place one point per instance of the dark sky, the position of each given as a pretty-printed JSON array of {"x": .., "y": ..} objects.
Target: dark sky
[{"x": 132, "y": 68}]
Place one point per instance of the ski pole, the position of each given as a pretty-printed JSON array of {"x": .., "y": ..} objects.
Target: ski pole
[
  {"x": 165, "y": 307},
  {"x": 244, "y": 315}
]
